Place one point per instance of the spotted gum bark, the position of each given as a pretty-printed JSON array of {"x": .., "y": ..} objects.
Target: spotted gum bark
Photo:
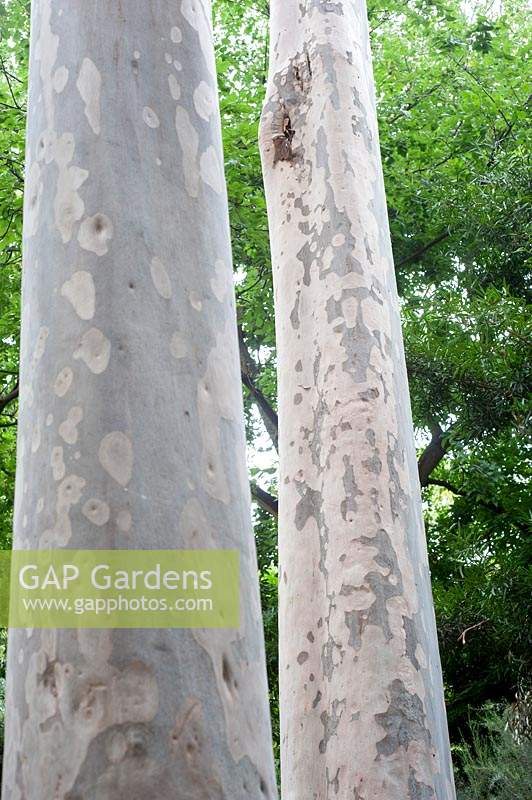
[
  {"x": 362, "y": 711},
  {"x": 131, "y": 423}
]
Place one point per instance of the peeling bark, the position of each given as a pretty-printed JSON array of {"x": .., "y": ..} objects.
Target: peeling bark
[
  {"x": 361, "y": 696},
  {"x": 131, "y": 421}
]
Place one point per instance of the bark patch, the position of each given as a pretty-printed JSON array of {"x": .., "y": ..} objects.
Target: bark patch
[{"x": 404, "y": 722}]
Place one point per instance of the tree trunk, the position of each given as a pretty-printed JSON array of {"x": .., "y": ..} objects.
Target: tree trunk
[
  {"x": 362, "y": 711},
  {"x": 131, "y": 424}
]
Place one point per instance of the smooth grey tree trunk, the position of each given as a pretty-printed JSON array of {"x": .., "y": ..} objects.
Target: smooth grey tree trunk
[
  {"x": 361, "y": 699},
  {"x": 131, "y": 422}
]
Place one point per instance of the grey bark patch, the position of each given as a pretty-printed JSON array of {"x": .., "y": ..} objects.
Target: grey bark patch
[
  {"x": 398, "y": 498},
  {"x": 386, "y": 557},
  {"x": 373, "y": 464},
  {"x": 327, "y": 660},
  {"x": 369, "y": 251},
  {"x": 334, "y": 307},
  {"x": 316, "y": 367},
  {"x": 305, "y": 210},
  {"x": 403, "y": 721},
  {"x": 369, "y": 394},
  {"x": 307, "y": 256},
  {"x": 358, "y": 342},
  {"x": 317, "y": 699},
  {"x": 343, "y": 260},
  {"x": 351, "y": 490},
  {"x": 382, "y": 587},
  {"x": 137, "y": 750},
  {"x": 334, "y": 783},
  {"x": 386, "y": 393},
  {"x": 377, "y": 614},
  {"x": 327, "y": 54},
  {"x": 347, "y": 164},
  {"x": 418, "y": 790},
  {"x": 294, "y": 316},
  {"x": 302, "y": 657},
  {"x": 330, "y": 723},
  {"x": 411, "y": 640},
  {"x": 360, "y": 123},
  {"x": 314, "y": 435},
  {"x": 323, "y": 6},
  {"x": 355, "y": 623},
  {"x": 308, "y": 506}
]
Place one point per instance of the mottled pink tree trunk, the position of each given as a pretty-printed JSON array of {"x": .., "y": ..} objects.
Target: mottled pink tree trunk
[
  {"x": 131, "y": 423},
  {"x": 361, "y": 697}
]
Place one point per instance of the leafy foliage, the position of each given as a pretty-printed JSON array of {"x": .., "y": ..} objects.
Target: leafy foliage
[
  {"x": 14, "y": 27},
  {"x": 497, "y": 765}
]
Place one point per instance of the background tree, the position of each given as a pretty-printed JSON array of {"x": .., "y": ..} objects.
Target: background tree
[{"x": 130, "y": 430}]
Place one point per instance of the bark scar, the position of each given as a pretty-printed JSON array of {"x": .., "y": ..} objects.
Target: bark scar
[{"x": 282, "y": 135}]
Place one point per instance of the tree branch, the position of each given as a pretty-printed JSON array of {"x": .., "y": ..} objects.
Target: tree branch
[
  {"x": 248, "y": 371},
  {"x": 265, "y": 500},
  {"x": 8, "y": 398},
  {"x": 462, "y": 636},
  {"x": 413, "y": 103},
  {"x": 420, "y": 252},
  {"x": 487, "y": 504},
  {"x": 432, "y": 455},
  {"x": 445, "y": 485}
]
